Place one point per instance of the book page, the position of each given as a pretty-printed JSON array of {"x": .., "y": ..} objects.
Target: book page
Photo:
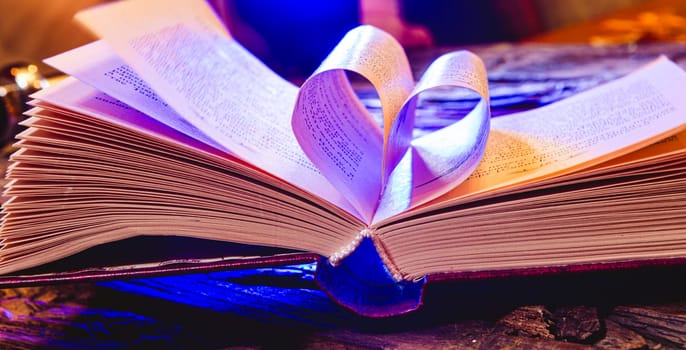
[
  {"x": 673, "y": 144},
  {"x": 76, "y": 96},
  {"x": 595, "y": 126},
  {"x": 105, "y": 71},
  {"x": 333, "y": 127},
  {"x": 340, "y": 136},
  {"x": 210, "y": 80},
  {"x": 436, "y": 162}
]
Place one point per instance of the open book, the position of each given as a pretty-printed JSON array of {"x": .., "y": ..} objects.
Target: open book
[{"x": 168, "y": 127}]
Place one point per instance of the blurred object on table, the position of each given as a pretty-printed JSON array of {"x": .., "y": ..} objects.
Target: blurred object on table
[
  {"x": 646, "y": 27},
  {"x": 17, "y": 82},
  {"x": 643, "y": 22},
  {"x": 556, "y": 14}
]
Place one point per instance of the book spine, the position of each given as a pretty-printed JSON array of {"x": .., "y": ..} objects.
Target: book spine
[{"x": 361, "y": 281}]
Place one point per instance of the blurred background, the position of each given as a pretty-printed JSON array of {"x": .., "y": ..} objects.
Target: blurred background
[{"x": 293, "y": 36}]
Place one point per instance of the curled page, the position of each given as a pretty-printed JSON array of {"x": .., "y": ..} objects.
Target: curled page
[
  {"x": 387, "y": 170},
  {"x": 333, "y": 127},
  {"x": 424, "y": 168}
]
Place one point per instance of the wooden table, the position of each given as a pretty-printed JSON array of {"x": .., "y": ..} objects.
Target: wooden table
[{"x": 639, "y": 309}]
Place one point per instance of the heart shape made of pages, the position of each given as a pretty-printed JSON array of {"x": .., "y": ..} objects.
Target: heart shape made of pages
[{"x": 383, "y": 172}]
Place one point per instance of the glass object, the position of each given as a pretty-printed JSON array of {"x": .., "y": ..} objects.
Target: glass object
[{"x": 17, "y": 82}]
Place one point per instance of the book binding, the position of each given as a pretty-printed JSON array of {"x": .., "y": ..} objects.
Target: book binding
[{"x": 363, "y": 283}]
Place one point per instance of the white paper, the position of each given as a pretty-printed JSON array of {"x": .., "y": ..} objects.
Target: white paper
[
  {"x": 386, "y": 170},
  {"x": 105, "y": 71},
  {"x": 595, "y": 126},
  {"x": 213, "y": 82}
]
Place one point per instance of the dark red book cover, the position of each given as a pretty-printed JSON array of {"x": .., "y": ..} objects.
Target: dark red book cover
[{"x": 360, "y": 282}]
